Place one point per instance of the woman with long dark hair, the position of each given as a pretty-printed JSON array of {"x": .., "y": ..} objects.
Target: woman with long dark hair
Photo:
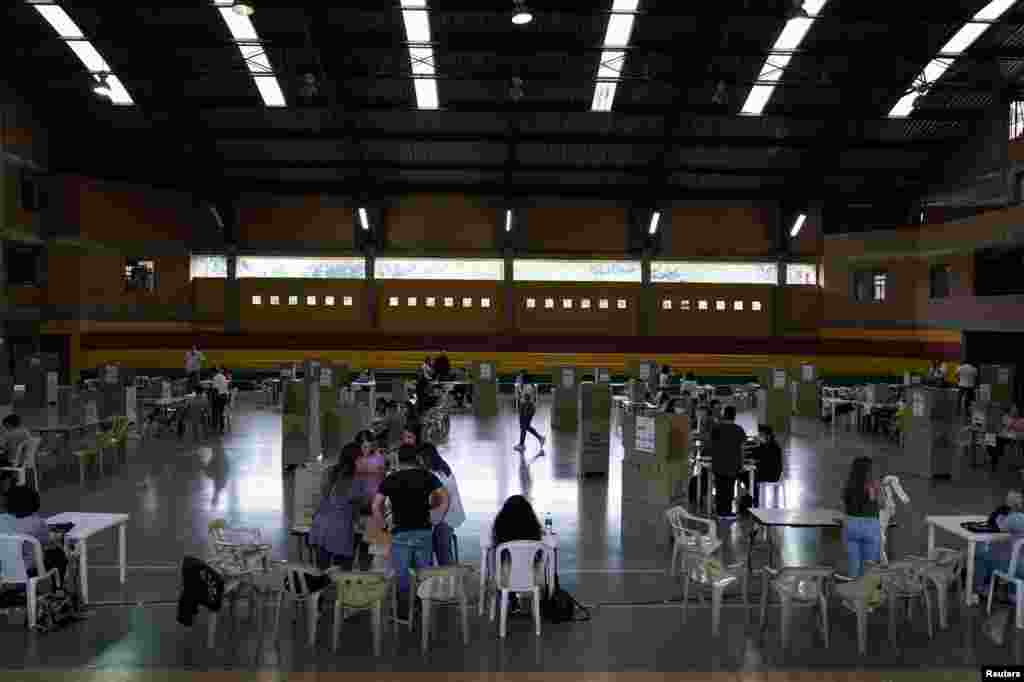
[
  {"x": 445, "y": 521},
  {"x": 343, "y": 498},
  {"x": 516, "y": 521},
  {"x": 863, "y": 530}
]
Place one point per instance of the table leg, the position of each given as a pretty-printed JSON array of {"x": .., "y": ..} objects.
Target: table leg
[
  {"x": 122, "y": 551},
  {"x": 710, "y": 486},
  {"x": 83, "y": 559},
  {"x": 969, "y": 587},
  {"x": 750, "y": 485},
  {"x": 931, "y": 540}
]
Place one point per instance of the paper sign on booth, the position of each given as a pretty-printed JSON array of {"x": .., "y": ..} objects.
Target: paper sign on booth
[
  {"x": 568, "y": 378},
  {"x": 485, "y": 372},
  {"x": 326, "y": 376},
  {"x": 779, "y": 380},
  {"x": 645, "y": 434}
]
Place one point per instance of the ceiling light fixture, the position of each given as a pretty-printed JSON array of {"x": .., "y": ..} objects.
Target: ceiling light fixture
[
  {"x": 613, "y": 53},
  {"x": 954, "y": 47},
  {"x": 798, "y": 225},
  {"x": 244, "y": 9},
  {"x": 254, "y": 54},
  {"x": 799, "y": 22},
  {"x": 416, "y": 18},
  {"x": 522, "y": 15},
  {"x": 364, "y": 219},
  {"x": 508, "y": 220},
  {"x": 655, "y": 219},
  {"x": 102, "y": 88},
  {"x": 91, "y": 59}
]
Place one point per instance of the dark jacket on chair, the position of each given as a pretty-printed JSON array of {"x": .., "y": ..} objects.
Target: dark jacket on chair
[
  {"x": 200, "y": 584},
  {"x": 769, "y": 462}
]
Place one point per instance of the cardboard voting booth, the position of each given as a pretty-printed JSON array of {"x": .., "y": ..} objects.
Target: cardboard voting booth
[
  {"x": 33, "y": 372},
  {"x": 485, "y": 389},
  {"x": 565, "y": 409},
  {"x": 930, "y": 444},
  {"x": 654, "y": 473},
  {"x": 646, "y": 374},
  {"x": 774, "y": 405},
  {"x": 294, "y": 426},
  {"x": 311, "y": 379},
  {"x": 306, "y": 498},
  {"x": 595, "y": 414},
  {"x": 806, "y": 387},
  {"x": 1000, "y": 380},
  {"x": 113, "y": 382},
  {"x": 332, "y": 378}
]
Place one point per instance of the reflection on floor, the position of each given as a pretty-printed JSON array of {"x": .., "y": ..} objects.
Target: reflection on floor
[{"x": 172, "y": 489}]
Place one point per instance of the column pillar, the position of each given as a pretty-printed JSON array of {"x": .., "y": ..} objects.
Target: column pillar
[
  {"x": 508, "y": 295},
  {"x": 232, "y": 294},
  {"x": 646, "y": 303},
  {"x": 371, "y": 287}
]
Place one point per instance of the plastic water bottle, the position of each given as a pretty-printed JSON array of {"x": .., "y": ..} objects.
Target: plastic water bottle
[{"x": 548, "y": 524}]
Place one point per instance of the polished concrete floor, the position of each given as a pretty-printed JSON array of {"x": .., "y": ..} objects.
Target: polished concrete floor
[{"x": 172, "y": 489}]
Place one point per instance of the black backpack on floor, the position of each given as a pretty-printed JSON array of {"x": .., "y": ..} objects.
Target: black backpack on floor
[{"x": 561, "y": 607}]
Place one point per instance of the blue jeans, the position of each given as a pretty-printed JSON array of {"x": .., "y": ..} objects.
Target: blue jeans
[
  {"x": 984, "y": 566},
  {"x": 410, "y": 548},
  {"x": 443, "y": 544},
  {"x": 863, "y": 543}
]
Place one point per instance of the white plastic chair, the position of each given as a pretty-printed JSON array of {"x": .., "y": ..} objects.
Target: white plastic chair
[
  {"x": 486, "y": 567},
  {"x": 1010, "y": 576},
  {"x": 520, "y": 577},
  {"x": 445, "y": 586},
  {"x": 295, "y": 586},
  {"x": 14, "y": 571},
  {"x": 943, "y": 572},
  {"x": 705, "y": 569},
  {"x": 802, "y": 586},
  {"x": 25, "y": 461},
  {"x": 358, "y": 591},
  {"x": 686, "y": 539},
  {"x": 779, "y": 490}
]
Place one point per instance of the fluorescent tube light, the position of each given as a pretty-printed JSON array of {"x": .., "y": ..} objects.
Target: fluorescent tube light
[
  {"x": 655, "y": 219},
  {"x": 508, "y": 220},
  {"x": 254, "y": 54},
  {"x": 798, "y": 225},
  {"x": 364, "y": 220}
]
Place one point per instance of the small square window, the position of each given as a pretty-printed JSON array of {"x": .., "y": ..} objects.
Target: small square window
[
  {"x": 566, "y": 303},
  {"x": 467, "y": 303},
  {"x": 737, "y": 305},
  {"x": 346, "y": 301},
  {"x": 719, "y": 305},
  {"x": 549, "y": 304},
  {"x": 702, "y": 305},
  {"x": 449, "y": 302},
  {"x": 755, "y": 306},
  {"x": 603, "y": 304},
  {"x": 684, "y": 304},
  {"x": 531, "y": 303},
  {"x": 393, "y": 301},
  {"x": 328, "y": 300},
  {"x": 257, "y": 300},
  {"x": 311, "y": 300},
  {"x": 485, "y": 303},
  {"x": 585, "y": 303},
  {"x": 293, "y": 300},
  {"x": 411, "y": 302},
  {"x": 275, "y": 300},
  {"x": 666, "y": 304},
  {"x": 622, "y": 304},
  {"x": 430, "y": 301}
]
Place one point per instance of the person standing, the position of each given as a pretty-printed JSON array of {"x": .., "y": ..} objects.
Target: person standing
[
  {"x": 342, "y": 499},
  {"x": 727, "y": 439},
  {"x": 527, "y": 408},
  {"x": 442, "y": 367},
  {"x": 863, "y": 530},
  {"x": 194, "y": 367},
  {"x": 664, "y": 378},
  {"x": 967, "y": 377},
  {"x": 448, "y": 520},
  {"x": 413, "y": 493},
  {"x": 221, "y": 395}
]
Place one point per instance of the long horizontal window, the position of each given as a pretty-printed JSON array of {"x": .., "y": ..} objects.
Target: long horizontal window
[
  {"x": 489, "y": 270},
  {"x": 209, "y": 267},
  {"x": 714, "y": 273},
  {"x": 576, "y": 271},
  {"x": 801, "y": 273},
  {"x": 301, "y": 267}
]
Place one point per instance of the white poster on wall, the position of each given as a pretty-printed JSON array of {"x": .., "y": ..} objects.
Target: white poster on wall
[
  {"x": 1003, "y": 375},
  {"x": 568, "y": 378},
  {"x": 51, "y": 388},
  {"x": 603, "y": 376},
  {"x": 486, "y": 372},
  {"x": 779, "y": 379},
  {"x": 645, "y": 434},
  {"x": 326, "y": 377},
  {"x": 807, "y": 372},
  {"x": 130, "y": 405}
]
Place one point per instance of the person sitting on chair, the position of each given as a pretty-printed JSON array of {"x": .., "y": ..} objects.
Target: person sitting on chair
[
  {"x": 768, "y": 456},
  {"x": 13, "y": 435},
  {"x": 516, "y": 521},
  {"x": 23, "y": 503}
]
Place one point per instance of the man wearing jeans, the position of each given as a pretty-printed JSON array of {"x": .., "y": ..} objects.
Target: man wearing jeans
[{"x": 412, "y": 492}]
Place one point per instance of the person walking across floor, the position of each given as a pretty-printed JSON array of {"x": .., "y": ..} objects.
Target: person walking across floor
[
  {"x": 221, "y": 395},
  {"x": 727, "y": 440},
  {"x": 527, "y": 408},
  {"x": 863, "y": 530},
  {"x": 194, "y": 367},
  {"x": 967, "y": 377}
]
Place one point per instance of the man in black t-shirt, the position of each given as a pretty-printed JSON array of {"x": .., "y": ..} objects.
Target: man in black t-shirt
[
  {"x": 412, "y": 492},
  {"x": 727, "y": 440}
]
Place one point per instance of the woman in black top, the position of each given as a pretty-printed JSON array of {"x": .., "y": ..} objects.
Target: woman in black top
[
  {"x": 768, "y": 456},
  {"x": 515, "y": 521},
  {"x": 863, "y": 530}
]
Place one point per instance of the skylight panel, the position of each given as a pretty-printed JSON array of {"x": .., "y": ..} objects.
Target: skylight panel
[
  {"x": 613, "y": 56},
  {"x": 954, "y": 47},
  {"x": 793, "y": 34},
  {"x": 91, "y": 59},
  {"x": 416, "y": 18},
  {"x": 254, "y": 54}
]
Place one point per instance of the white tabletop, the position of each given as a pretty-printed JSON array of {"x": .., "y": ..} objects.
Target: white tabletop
[
  {"x": 806, "y": 518},
  {"x": 87, "y": 524},
  {"x": 952, "y": 525}
]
